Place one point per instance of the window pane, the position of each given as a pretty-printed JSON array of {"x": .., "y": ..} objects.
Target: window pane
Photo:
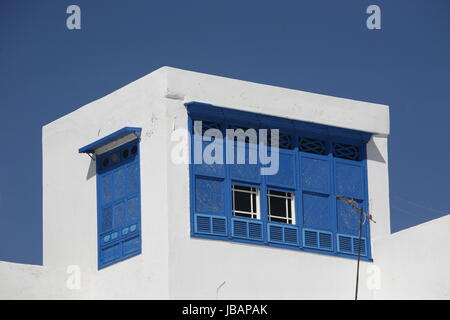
[
  {"x": 277, "y": 207},
  {"x": 275, "y": 219},
  {"x": 242, "y": 201},
  {"x": 237, "y": 187},
  {"x": 245, "y": 201},
  {"x": 280, "y": 206},
  {"x": 289, "y": 213},
  {"x": 243, "y": 214},
  {"x": 279, "y": 193}
]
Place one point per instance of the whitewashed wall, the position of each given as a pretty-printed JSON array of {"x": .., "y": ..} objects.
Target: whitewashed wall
[
  {"x": 414, "y": 263},
  {"x": 173, "y": 265}
]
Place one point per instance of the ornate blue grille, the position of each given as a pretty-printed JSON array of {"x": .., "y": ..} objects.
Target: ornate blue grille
[
  {"x": 346, "y": 151},
  {"x": 311, "y": 145}
]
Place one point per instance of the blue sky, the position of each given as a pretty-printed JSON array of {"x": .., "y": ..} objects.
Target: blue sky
[{"x": 47, "y": 71}]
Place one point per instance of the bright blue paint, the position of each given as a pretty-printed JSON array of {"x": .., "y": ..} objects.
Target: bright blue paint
[
  {"x": 210, "y": 224},
  {"x": 314, "y": 175},
  {"x": 348, "y": 244},
  {"x": 317, "y": 239},
  {"x": 209, "y": 195},
  {"x": 317, "y": 211},
  {"x": 283, "y": 233},
  {"x": 285, "y": 177},
  {"x": 244, "y": 228},
  {"x": 118, "y": 200}
]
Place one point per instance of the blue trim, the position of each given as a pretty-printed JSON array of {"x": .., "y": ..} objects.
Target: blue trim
[
  {"x": 123, "y": 239},
  {"x": 350, "y": 247},
  {"x": 283, "y": 237},
  {"x": 90, "y": 148},
  {"x": 318, "y": 243},
  {"x": 205, "y": 111},
  {"x": 214, "y": 226},
  {"x": 237, "y": 228},
  {"x": 238, "y": 223}
]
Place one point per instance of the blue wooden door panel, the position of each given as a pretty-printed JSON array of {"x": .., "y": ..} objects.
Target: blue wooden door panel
[
  {"x": 207, "y": 167},
  {"x": 349, "y": 219},
  {"x": 246, "y": 170},
  {"x": 349, "y": 181},
  {"x": 316, "y": 211},
  {"x": 315, "y": 173},
  {"x": 209, "y": 195},
  {"x": 286, "y": 170}
]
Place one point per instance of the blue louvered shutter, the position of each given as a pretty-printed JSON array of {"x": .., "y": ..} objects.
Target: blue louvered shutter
[
  {"x": 315, "y": 177},
  {"x": 208, "y": 180},
  {"x": 283, "y": 234},
  {"x": 119, "y": 201},
  {"x": 249, "y": 229},
  {"x": 350, "y": 182},
  {"x": 247, "y": 172}
]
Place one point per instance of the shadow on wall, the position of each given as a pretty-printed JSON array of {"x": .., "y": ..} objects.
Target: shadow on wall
[
  {"x": 92, "y": 170},
  {"x": 373, "y": 153}
]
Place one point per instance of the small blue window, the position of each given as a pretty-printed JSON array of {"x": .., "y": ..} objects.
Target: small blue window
[{"x": 118, "y": 195}]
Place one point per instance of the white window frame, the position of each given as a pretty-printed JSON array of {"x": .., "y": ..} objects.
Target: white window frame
[
  {"x": 252, "y": 215},
  {"x": 290, "y": 198}
]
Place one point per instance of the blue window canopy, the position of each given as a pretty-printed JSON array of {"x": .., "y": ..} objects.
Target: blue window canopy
[
  {"x": 112, "y": 141},
  {"x": 206, "y": 111}
]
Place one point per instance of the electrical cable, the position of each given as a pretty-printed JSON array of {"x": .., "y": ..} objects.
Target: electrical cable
[{"x": 366, "y": 216}]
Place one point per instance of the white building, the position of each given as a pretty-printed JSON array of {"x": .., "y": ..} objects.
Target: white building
[{"x": 131, "y": 222}]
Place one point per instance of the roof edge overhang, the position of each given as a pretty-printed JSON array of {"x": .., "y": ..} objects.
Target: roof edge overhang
[
  {"x": 111, "y": 141},
  {"x": 213, "y": 112}
]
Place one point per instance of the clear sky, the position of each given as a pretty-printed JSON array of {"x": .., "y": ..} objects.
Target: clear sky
[{"x": 47, "y": 71}]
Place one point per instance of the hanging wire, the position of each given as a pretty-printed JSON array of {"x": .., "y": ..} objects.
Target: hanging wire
[
  {"x": 359, "y": 252},
  {"x": 362, "y": 215}
]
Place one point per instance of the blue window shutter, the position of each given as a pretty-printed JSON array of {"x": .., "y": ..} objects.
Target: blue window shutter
[
  {"x": 349, "y": 179},
  {"x": 208, "y": 181},
  {"x": 207, "y": 147},
  {"x": 250, "y": 229},
  {"x": 317, "y": 239},
  {"x": 283, "y": 233},
  {"x": 286, "y": 170},
  {"x": 349, "y": 244},
  {"x": 315, "y": 173},
  {"x": 209, "y": 224},
  {"x": 317, "y": 163},
  {"x": 316, "y": 211},
  {"x": 247, "y": 172},
  {"x": 119, "y": 212},
  {"x": 348, "y": 219},
  {"x": 209, "y": 195}
]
